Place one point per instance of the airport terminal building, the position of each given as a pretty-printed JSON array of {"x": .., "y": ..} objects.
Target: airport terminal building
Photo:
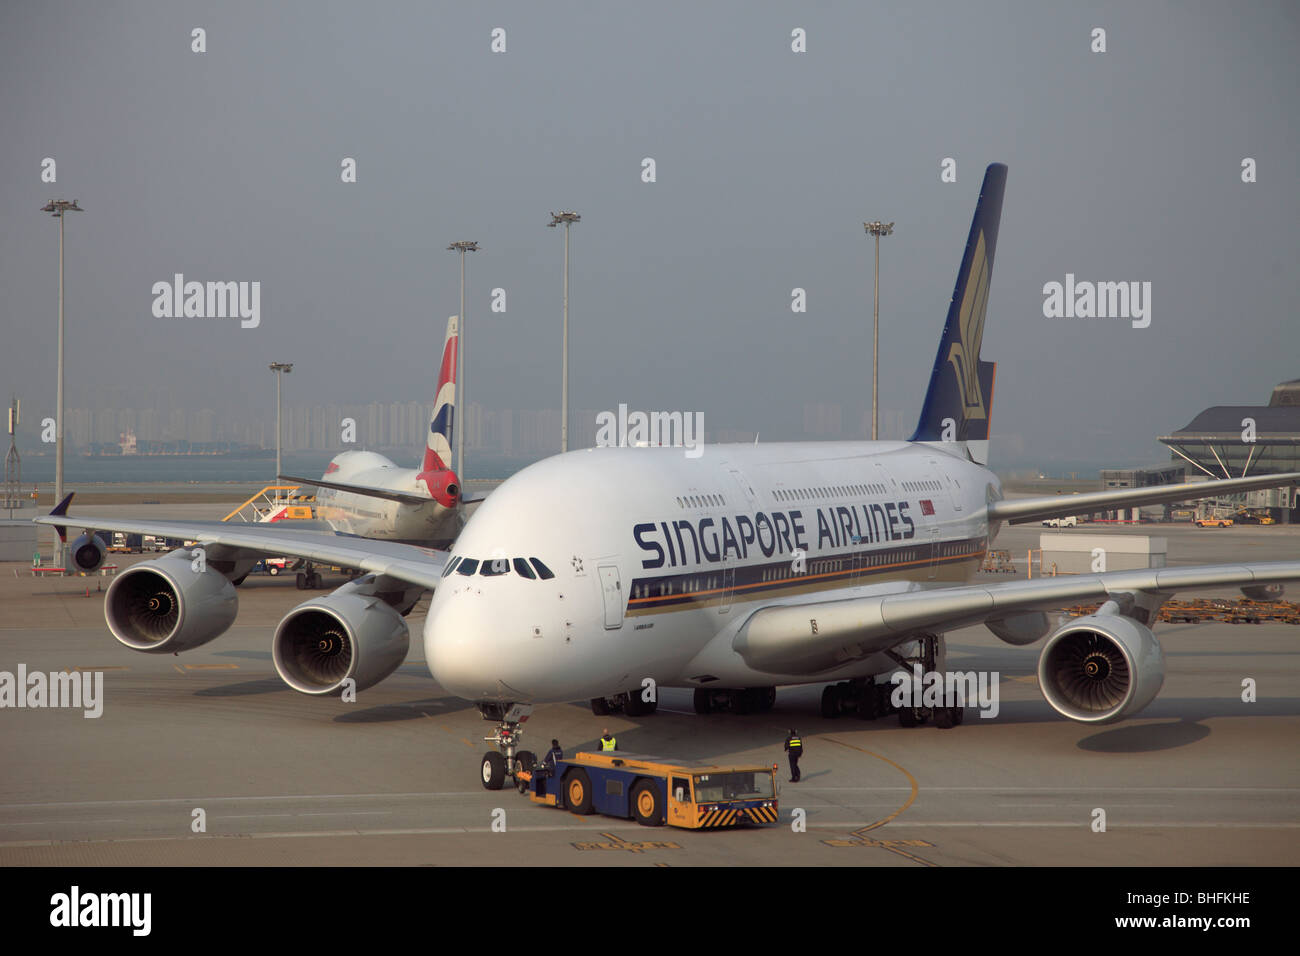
[{"x": 1235, "y": 441}]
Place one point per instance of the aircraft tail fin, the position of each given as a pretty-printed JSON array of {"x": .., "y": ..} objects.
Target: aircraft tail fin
[
  {"x": 959, "y": 401},
  {"x": 437, "y": 451}
]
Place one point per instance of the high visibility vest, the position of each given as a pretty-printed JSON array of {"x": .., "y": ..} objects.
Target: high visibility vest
[
  {"x": 609, "y": 744},
  {"x": 796, "y": 743}
]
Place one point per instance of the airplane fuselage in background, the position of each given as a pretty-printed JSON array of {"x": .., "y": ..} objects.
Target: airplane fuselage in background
[
  {"x": 383, "y": 519},
  {"x": 665, "y": 557}
]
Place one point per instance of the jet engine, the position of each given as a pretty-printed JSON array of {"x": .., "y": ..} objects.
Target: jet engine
[
  {"x": 166, "y": 605},
  {"x": 354, "y": 632},
  {"x": 1101, "y": 668},
  {"x": 88, "y": 552}
]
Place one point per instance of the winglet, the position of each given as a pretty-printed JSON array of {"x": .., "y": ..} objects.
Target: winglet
[{"x": 59, "y": 511}]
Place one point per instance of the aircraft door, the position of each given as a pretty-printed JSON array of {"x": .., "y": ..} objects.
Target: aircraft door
[
  {"x": 681, "y": 809},
  {"x": 611, "y": 589}
]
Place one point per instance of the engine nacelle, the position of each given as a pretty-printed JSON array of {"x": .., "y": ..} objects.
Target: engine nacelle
[
  {"x": 165, "y": 606},
  {"x": 1101, "y": 668},
  {"x": 1021, "y": 629},
  {"x": 350, "y": 633},
  {"x": 88, "y": 552}
]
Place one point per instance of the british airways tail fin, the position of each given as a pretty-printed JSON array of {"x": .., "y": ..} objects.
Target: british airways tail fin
[
  {"x": 959, "y": 400},
  {"x": 437, "y": 451}
]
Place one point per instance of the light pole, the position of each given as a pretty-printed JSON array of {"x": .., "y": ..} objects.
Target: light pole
[
  {"x": 876, "y": 229},
  {"x": 57, "y": 208},
  {"x": 463, "y": 246},
  {"x": 280, "y": 369},
  {"x": 568, "y": 218}
]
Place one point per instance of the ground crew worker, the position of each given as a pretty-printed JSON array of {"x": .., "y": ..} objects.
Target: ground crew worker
[
  {"x": 552, "y": 755},
  {"x": 607, "y": 741},
  {"x": 794, "y": 747}
]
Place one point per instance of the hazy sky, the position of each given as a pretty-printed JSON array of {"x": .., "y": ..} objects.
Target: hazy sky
[{"x": 225, "y": 165}]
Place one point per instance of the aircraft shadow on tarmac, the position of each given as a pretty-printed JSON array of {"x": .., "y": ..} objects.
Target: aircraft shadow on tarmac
[
  {"x": 1145, "y": 738},
  {"x": 411, "y": 710},
  {"x": 268, "y": 685}
]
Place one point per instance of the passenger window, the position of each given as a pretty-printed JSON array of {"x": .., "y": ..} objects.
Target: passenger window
[
  {"x": 523, "y": 570},
  {"x": 543, "y": 571},
  {"x": 467, "y": 567}
]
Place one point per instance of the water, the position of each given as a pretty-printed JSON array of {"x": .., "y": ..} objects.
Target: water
[{"x": 202, "y": 469}]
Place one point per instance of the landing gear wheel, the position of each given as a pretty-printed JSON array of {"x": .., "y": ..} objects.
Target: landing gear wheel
[
  {"x": 703, "y": 701},
  {"x": 907, "y": 717},
  {"x": 634, "y": 706},
  {"x": 867, "y": 705},
  {"x": 301, "y": 581},
  {"x": 943, "y": 718},
  {"x": 525, "y": 761},
  {"x": 646, "y": 804},
  {"x": 766, "y": 699},
  {"x": 577, "y": 792},
  {"x": 830, "y": 702},
  {"x": 493, "y": 770},
  {"x": 599, "y": 707},
  {"x": 958, "y": 714}
]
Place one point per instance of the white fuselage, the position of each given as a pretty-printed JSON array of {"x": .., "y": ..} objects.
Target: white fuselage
[
  {"x": 369, "y": 517},
  {"x": 658, "y": 559}
]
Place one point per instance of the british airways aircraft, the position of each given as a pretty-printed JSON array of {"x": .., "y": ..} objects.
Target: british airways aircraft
[
  {"x": 363, "y": 493},
  {"x": 732, "y": 573}
]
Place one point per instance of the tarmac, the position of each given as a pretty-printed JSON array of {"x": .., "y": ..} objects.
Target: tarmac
[{"x": 208, "y": 759}]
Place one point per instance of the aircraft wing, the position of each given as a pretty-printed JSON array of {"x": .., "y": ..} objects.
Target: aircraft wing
[
  {"x": 405, "y": 497},
  {"x": 814, "y": 637},
  {"x": 1021, "y": 510},
  {"x": 422, "y": 566}
]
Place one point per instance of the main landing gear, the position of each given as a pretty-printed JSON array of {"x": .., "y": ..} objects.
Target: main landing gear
[
  {"x": 505, "y": 761},
  {"x": 746, "y": 700},
  {"x": 630, "y": 704},
  {"x": 869, "y": 700}
]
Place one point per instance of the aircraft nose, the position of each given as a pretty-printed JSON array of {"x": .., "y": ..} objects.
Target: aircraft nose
[
  {"x": 491, "y": 646},
  {"x": 457, "y": 639}
]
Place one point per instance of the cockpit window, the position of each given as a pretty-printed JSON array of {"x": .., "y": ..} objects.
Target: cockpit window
[
  {"x": 451, "y": 566},
  {"x": 523, "y": 570},
  {"x": 543, "y": 571},
  {"x": 495, "y": 566},
  {"x": 467, "y": 567}
]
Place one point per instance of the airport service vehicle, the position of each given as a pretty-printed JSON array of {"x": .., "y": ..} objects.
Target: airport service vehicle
[
  {"x": 127, "y": 543},
  {"x": 599, "y": 573},
  {"x": 364, "y": 493},
  {"x": 1214, "y": 522},
  {"x": 1069, "y": 521},
  {"x": 649, "y": 790}
]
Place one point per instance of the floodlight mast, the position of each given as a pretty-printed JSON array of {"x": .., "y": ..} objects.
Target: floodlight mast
[
  {"x": 568, "y": 219},
  {"x": 58, "y": 208},
  {"x": 876, "y": 229},
  {"x": 460, "y": 414}
]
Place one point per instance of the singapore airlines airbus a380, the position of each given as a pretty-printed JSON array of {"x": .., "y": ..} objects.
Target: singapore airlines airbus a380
[{"x": 745, "y": 568}]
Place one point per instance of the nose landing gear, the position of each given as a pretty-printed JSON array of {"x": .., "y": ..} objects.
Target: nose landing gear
[{"x": 505, "y": 761}]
